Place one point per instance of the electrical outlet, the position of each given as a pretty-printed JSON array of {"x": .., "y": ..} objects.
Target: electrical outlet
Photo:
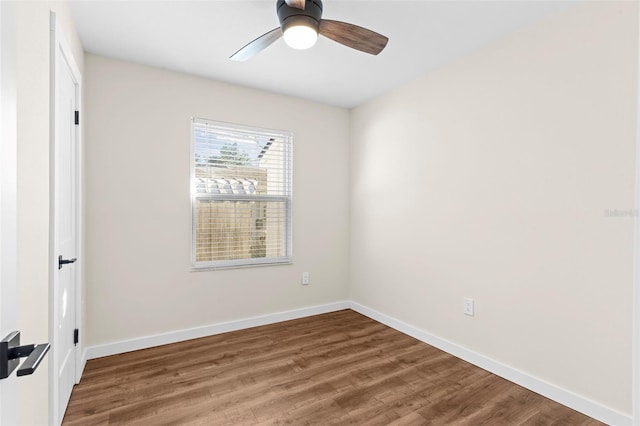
[
  {"x": 305, "y": 278},
  {"x": 468, "y": 306}
]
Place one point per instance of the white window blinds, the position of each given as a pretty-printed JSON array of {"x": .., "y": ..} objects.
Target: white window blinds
[{"x": 241, "y": 195}]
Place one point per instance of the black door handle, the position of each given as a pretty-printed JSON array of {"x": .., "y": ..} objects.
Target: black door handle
[
  {"x": 11, "y": 352},
  {"x": 62, "y": 261},
  {"x": 33, "y": 359}
]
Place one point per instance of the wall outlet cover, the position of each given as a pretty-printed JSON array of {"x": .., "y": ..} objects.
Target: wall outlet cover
[{"x": 468, "y": 308}]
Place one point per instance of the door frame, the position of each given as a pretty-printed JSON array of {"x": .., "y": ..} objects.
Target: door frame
[
  {"x": 8, "y": 200},
  {"x": 61, "y": 51},
  {"x": 635, "y": 382}
]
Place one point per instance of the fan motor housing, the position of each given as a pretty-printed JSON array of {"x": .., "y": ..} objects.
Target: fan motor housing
[{"x": 312, "y": 9}]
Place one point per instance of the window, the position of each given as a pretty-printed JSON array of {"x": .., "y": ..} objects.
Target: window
[{"x": 241, "y": 195}]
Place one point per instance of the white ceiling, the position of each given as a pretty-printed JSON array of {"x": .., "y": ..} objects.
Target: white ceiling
[{"x": 197, "y": 37}]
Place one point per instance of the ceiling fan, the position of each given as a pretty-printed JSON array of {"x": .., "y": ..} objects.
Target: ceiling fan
[{"x": 301, "y": 22}]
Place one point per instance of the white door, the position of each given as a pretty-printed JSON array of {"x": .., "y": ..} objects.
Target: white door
[
  {"x": 65, "y": 240},
  {"x": 8, "y": 176}
]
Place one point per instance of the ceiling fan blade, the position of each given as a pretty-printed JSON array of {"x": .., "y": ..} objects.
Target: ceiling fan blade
[
  {"x": 299, "y": 4},
  {"x": 257, "y": 45},
  {"x": 353, "y": 36}
]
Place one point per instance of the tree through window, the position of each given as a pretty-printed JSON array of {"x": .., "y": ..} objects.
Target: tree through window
[{"x": 241, "y": 195}]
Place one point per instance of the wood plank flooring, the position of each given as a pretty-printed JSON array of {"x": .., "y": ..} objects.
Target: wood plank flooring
[{"x": 337, "y": 368}]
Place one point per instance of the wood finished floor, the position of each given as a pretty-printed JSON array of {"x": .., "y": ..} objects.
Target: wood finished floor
[{"x": 337, "y": 368}]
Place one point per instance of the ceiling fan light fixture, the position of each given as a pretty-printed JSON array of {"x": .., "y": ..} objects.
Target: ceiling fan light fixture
[
  {"x": 300, "y": 32},
  {"x": 300, "y": 24}
]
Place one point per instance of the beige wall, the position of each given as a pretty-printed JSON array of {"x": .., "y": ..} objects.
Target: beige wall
[
  {"x": 138, "y": 215},
  {"x": 32, "y": 80},
  {"x": 489, "y": 178}
]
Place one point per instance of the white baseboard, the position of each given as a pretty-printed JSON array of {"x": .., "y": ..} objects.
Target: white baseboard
[
  {"x": 560, "y": 395},
  {"x": 555, "y": 393},
  {"x": 207, "y": 330}
]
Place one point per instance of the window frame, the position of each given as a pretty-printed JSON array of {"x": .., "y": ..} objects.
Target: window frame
[{"x": 287, "y": 199}]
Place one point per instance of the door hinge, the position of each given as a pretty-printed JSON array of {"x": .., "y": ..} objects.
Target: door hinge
[
  {"x": 77, "y": 118},
  {"x": 75, "y": 336}
]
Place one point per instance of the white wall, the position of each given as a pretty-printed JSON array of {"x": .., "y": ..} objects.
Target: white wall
[
  {"x": 490, "y": 178},
  {"x": 32, "y": 79},
  {"x": 138, "y": 216}
]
